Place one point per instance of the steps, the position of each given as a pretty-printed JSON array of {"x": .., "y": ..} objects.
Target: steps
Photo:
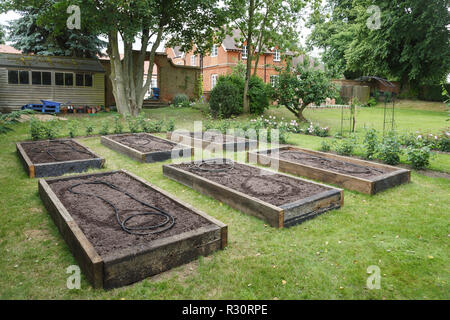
[{"x": 153, "y": 104}]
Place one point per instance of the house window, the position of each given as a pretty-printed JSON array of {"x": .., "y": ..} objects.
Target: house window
[
  {"x": 79, "y": 79},
  {"x": 193, "y": 60},
  {"x": 277, "y": 55},
  {"x": 24, "y": 77},
  {"x": 47, "y": 78},
  {"x": 59, "y": 78},
  {"x": 13, "y": 77},
  {"x": 244, "y": 52},
  {"x": 214, "y": 51},
  {"x": 154, "y": 82},
  {"x": 213, "y": 80},
  {"x": 273, "y": 80},
  {"x": 87, "y": 80},
  {"x": 68, "y": 79}
]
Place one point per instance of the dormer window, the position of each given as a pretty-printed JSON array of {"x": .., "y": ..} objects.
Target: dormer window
[
  {"x": 277, "y": 55},
  {"x": 214, "y": 51},
  {"x": 244, "y": 52}
]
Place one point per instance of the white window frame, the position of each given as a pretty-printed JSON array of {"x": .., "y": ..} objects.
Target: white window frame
[
  {"x": 273, "y": 79},
  {"x": 214, "y": 50},
  {"x": 193, "y": 62},
  {"x": 214, "y": 78},
  {"x": 277, "y": 55},
  {"x": 244, "y": 53}
]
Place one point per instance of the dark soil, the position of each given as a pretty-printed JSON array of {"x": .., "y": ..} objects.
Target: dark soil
[
  {"x": 55, "y": 151},
  {"x": 273, "y": 188},
  {"x": 98, "y": 221},
  {"x": 338, "y": 166},
  {"x": 144, "y": 142}
]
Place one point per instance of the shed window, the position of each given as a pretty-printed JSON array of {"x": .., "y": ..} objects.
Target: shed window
[
  {"x": 68, "y": 79},
  {"x": 59, "y": 78},
  {"x": 24, "y": 77},
  {"x": 36, "y": 77},
  {"x": 47, "y": 78},
  {"x": 88, "y": 80},
  {"x": 13, "y": 76},
  {"x": 79, "y": 79}
]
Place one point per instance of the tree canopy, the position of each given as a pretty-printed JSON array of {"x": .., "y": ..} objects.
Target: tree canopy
[
  {"x": 411, "y": 44},
  {"x": 2, "y": 34}
]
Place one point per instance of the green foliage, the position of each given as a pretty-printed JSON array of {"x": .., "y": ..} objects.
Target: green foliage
[
  {"x": 225, "y": 100},
  {"x": 419, "y": 156},
  {"x": 40, "y": 130},
  {"x": 345, "y": 147},
  {"x": 325, "y": 146},
  {"x": 2, "y": 34},
  {"x": 8, "y": 119},
  {"x": 296, "y": 90},
  {"x": 153, "y": 126},
  {"x": 258, "y": 95},
  {"x": 104, "y": 129},
  {"x": 134, "y": 123},
  {"x": 118, "y": 126},
  {"x": 30, "y": 35},
  {"x": 73, "y": 128},
  {"x": 389, "y": 150},
  {"x": 89, "y": 128},
  {"x": 181, "y": 100},
  {"x": 372, "y": 102},
  {"x": 433, "y": 92},
  {"x": 410, "y": 45},
  {"x": 370, "y": 144},
  {"x": 170, "y": 125}
]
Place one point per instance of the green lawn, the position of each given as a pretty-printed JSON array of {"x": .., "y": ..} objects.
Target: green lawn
[{"x": 404, "y": 231}]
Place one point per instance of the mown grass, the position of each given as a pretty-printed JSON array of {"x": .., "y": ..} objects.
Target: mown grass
[{"x": 404, "y": 231}]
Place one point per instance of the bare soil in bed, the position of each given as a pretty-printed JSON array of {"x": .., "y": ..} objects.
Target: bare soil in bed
[
  {"x": 55, "y": 151},
  {"x": 144, "y": 142},
  {"x": 334, "y": 165},
  {"x": 216, "y": 137},
  {"x": 98, "y": 220},
  {"x": 272, "y": 188}
]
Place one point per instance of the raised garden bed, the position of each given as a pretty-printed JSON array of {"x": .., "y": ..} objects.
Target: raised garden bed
[
  {"x": 278, "y": 199},
  {"x": 56, "y": 157},
  {"x": 353, "y": 174},
  {"x": 213, "y": 141},
  {"x": 91, "y": 212},
  {"x": 145, "y": 147}
]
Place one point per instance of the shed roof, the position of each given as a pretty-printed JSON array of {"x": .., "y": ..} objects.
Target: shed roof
[{"x": 10, "y": 60}]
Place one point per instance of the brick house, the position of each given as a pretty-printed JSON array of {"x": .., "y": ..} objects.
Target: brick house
[{"x": 225, "y": 56}]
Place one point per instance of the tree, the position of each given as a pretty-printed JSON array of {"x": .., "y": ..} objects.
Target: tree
[
  {"x": 2, "y": 34},
  {"x": 306, "y": 85},
  {"x": 28, "y": 36},
  {"x": 149, "y": 21},
  {"x": 264, "y": 24},
  {"x": 410, "y": 45}
]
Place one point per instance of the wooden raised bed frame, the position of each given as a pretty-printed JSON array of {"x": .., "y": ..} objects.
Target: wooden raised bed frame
[
  {"x": 276, "y": 216},
  {"x": 244, "y": 144},
  {"x": 130, "y": 265},
  {"x": 145, "y": 157},
  {"x": 394, "y": 177},
  {"x": 51, "y": 169}
]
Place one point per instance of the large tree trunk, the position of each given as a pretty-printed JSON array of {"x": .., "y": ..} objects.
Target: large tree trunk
[
  {"x": 300, "y": 115},
  {"x": 127, "y": 74},
  {"x": 251, "y": 9}
]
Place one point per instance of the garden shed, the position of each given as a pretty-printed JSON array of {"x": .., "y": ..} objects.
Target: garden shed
[{"x": 30, "y": 78}]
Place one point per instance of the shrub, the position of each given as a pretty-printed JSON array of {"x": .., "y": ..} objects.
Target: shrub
[
  {"x": 181, "y": 100},
  {"x": 89, "y": 129},
  {"x": 153, "y": 126},
  {"x": 370, "y": 144},
  {"x": 389, "y": 149},
  {"x": 325, "y": 146},
  {"x": 37, "y": 129},
  {"x": 134, "y": 123},
  {"x": 73, "y": 128},
  {"x": 225, "y": 100},
  {"x": 11, "y": 118},
  {"x": 104, "y": 130},
  {"x": 372, "y": 102},
  {"x": 345, "y": 147},
  {"x": 258, "y": 95},
  {"x": 118, "y": 126},
  {"x": 170, "y": 126},
  {"x": 418, "y": 156}
]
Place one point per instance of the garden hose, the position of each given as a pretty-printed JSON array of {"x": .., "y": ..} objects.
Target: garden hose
[{"x": 168, "y": 222}]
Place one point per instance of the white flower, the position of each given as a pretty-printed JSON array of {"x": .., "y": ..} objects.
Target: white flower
[{"x": 419, "y": 137}]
